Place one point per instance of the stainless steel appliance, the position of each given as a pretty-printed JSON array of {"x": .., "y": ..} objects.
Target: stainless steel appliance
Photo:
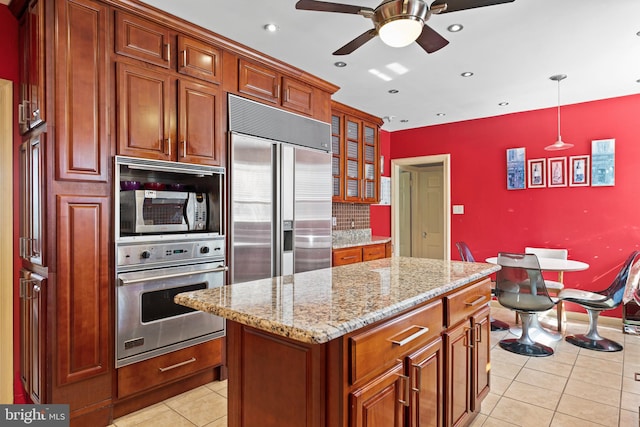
[
  {"x": 148, "y": 322},
  {"x": 280, "y": 192},
  {"x": 151, "y": 211},
  {"x": 166, "y": 242}
]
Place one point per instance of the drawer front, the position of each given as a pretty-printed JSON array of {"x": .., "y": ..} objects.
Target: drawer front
[
  {"x": 371, "y": 252},
  {"x": 461, "y": 304},
  {"x": 347, "y": 256},
  {"x": 378, "y": 348},
  {"x": 159, "y": 370}
]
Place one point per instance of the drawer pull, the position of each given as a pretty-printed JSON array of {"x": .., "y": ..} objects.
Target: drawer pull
[
  {"x": 177, "y": 365},
  {"x": 476, "y": 301},
  {"x": 349, "y": 257},
  {"x": 421, "y": 331}
]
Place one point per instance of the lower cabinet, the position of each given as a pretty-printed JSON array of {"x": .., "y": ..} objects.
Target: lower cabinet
[
  {"x": 425, "y": 372},
  {"x": 356, "y": 254},
  {"x": 32, "y": 334},
  {"x": 382, "y": 401}
]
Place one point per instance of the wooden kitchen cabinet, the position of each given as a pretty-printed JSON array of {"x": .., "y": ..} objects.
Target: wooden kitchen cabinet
[
  {"x": 377, "y": 404},
  {"x": 355, "y": 254},
  {"x": 32, "y": 187},
  {"x": 467, "y": 344},
  {"x": 31, "y": 111},
  {"x": 32, "y": 334},
  {"x": 267, "y": 84},
  {"x": 356, "y": 158},
  {"x": 426, "y": 383}
]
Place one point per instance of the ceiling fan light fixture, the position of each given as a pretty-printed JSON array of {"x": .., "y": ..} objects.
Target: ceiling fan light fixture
[{"x": 400, "y": 32}]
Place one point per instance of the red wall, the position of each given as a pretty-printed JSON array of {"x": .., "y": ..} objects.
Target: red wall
[
  {"x": 9, "y": 71},
  {"x": 380, "y": 216},
  {"x": 598, "y": 225}
]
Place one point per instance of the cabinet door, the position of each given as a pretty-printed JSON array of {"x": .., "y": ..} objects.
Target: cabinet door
[
  {"x": 198, "y": 59},
  {"x": 31, "y": 35},
  {"x": 144, "y": 113},
  {"x": 297, "y": 96},
  {"x": 370, "y": 163},
  {"x": 458, "y": 374},
  {"x": 337, "y": 163},
  {"x": 259, "y": 81},
  {"x": 481, "y": 367},
  {"x": 32, "y": 335},
  {"x": 381, "y": 402},
  {"x": 346, "y": 256},
  {"x": 83, "y": 302},
  {"x": 353, "y": 160},
  {"x": 141, "y": 39},
  {"x": 32, "y": 184},
  {"x": 426, "y": 369},
  {"x": 200, "y": 115},
  {"x": 82, "y": 65}
]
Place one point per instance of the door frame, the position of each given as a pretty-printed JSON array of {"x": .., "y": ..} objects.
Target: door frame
[
  {"x": 396, "y": 166},
  {"x": 6, "y": 241}
]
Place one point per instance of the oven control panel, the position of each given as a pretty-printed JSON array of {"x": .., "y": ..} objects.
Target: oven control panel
[{"x": 169, "y": 252}]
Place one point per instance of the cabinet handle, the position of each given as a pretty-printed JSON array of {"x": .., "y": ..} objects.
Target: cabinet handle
[
  {"x": 168, "y": 151},
  {"x": 184, "y": 58},
  {"x": 476, "y": 301},
  {"x": 478, "y": 326},
  {"x": 177, "y": 365},
  {"x": 22, "y": 287},
  {"x": 184, "y": 148},
  {"x": 406, "y": 389},
  {"x": 168, "y": 47},
  {"x": 421, "y": 331},
  {"x": 418, "y": 377},
  {"x": 349, "y": 257},
  {"x": 21, "y": 119},
  {"x": 21, "y": 247}
]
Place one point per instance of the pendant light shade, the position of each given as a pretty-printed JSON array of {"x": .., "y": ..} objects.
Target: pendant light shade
[{"x": 559, "y": 144}]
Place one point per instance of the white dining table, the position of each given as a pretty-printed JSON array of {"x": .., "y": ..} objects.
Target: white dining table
[{"x": 548, "y": 264}]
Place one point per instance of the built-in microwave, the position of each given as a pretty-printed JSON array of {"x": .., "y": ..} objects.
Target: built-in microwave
[{"x": 152, "y": 211}]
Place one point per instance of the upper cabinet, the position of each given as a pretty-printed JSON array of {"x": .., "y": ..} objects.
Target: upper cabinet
[
  {"x": 356, "y": 159},
  {"x": 168, "y": 114},
  {"x": 31, "y": 38},
  {"x": 267, "y": 84}
]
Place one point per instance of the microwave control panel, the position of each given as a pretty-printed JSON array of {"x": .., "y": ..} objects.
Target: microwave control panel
[{"x": 169, "y": 252}]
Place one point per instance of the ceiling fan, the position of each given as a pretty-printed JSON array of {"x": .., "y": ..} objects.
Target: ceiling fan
[{"x": 398, "y": 22}]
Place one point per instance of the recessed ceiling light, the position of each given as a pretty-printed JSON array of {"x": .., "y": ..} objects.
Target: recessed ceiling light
[
  {"x": 404, "y": 121},
  {"x": 638, "y": 34},
  {"x": 503, "y": 104},
  {"x": 272, "y": 28},
  {"x": 393, "y": 91},
  {"x": 340, "y": 64},
  {"x": 454, "y": 28},
  {"x": 440, "y": 114},
  {"x": 466, "y": 74}
]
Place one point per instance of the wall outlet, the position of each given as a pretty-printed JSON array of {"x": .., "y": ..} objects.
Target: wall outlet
[
  {"x": 334, "y": 221},
  {"x": 458, "y": 209}
]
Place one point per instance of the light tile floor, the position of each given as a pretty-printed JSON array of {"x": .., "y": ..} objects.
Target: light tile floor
[{"x": 574, "y": 387}]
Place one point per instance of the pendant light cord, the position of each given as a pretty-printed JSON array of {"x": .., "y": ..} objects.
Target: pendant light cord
[{"x": 559, "y": 138}]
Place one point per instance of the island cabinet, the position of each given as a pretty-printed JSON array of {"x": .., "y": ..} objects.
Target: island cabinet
[
  {"x": 426, "y": 366},
  {"x": 174, "y": 109}
]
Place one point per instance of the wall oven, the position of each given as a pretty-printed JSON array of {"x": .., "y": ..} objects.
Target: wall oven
[{"x": 165, "y": 245}]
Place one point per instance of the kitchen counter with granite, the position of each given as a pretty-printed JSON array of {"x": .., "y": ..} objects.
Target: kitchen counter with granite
[
  {"x": 319, "y": 306},
  {"x": 358, "y": 237}
]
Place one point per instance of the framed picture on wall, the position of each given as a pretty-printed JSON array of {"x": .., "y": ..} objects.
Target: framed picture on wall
[
  {"x": 515, "y": 169},
  {"x": 537, "y": 176},
  {"x": 579, "y": 171},
  {"x": 557, "y": 172},
  {"x": 603, "y": 164}
]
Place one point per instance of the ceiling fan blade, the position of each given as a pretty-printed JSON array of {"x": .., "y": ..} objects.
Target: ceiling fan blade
[
  {"x": 456, "y": 5},
  {"x": 323, "y": 6},
  {"x": 357, "y": 42},
  {"x": 430, "y": 40}
]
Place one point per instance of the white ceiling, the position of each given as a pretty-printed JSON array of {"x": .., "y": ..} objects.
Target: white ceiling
[{"x": 511, "y": 48}]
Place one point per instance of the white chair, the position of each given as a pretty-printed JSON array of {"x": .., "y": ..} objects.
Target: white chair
[{"x": 553, "y": 287}]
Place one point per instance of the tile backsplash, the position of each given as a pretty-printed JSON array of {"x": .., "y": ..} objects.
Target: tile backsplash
[{"x": 350, "y": 216}]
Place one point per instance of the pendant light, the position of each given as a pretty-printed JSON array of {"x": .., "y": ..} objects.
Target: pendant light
[{"x": 559, "y": 144}]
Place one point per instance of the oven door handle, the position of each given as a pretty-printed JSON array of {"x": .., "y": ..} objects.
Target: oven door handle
[{"x": 171, "y": 276}]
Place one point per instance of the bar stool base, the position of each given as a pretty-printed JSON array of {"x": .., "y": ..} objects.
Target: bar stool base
[
  {"x": 602, "y": 344},
  {"x": 536, "y": 349}
]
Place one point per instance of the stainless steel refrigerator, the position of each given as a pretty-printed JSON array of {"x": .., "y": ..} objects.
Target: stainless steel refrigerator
[{"x": 280, "y": 204}]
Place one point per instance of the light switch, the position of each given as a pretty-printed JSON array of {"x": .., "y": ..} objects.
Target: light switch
[{"x": 458, "y": 209}]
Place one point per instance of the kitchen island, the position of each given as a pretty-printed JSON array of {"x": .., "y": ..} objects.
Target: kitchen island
[{"x": 391, "y": 342}]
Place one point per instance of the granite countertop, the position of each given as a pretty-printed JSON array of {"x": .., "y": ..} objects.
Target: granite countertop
[
  {"x": 358, "y": 237},
  {"x": 321, "y": 305}
]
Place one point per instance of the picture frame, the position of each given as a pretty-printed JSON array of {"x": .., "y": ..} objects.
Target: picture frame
[
  {"x": 556, "y": 172},
  {"x": 579, "y": 171},
  {"x": 516, "y": 179},
  {"x": 537, "y": 173},
  {"x": 603, "y": 162}
]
